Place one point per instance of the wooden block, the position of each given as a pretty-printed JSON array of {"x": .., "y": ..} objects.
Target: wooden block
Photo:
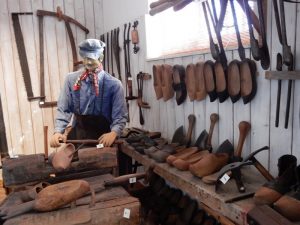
[
  {"x": 24, "y": 169},
  {"x": 108, "y": 210},
  {"x": 282, "y": 75},
  {"x": 107, "y": 157}
]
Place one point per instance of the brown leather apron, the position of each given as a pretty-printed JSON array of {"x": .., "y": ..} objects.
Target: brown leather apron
[{"x": 90, "y": 126}]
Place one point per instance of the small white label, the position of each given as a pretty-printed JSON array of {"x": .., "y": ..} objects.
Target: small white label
[
  {"x": 99, "y": 145},
  {"x": 126, "y": 213},
  {"x": 132, "y": 180},
  {"x": 42, "y": 103},
  {"x": 225, "y": 178},
  {"x": 129, "y": 78}
]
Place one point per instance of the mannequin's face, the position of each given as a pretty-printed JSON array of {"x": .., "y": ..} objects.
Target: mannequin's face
[{"x": 90, "y": 64}]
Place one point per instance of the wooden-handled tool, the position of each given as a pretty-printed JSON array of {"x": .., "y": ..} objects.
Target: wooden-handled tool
[
  {"x": 244, "y": 128},
  {"x": 213, "y": 120},
  {"x": 188, "y": 137}
]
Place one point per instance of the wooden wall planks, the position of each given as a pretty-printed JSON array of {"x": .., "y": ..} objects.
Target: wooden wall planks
[{"x": 25, "y": 120}]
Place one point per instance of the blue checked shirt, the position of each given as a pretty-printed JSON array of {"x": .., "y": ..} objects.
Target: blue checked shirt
[{"x": 113, "y": 105}]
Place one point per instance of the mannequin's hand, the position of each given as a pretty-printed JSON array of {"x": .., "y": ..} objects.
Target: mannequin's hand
[
  {"x": 108, "y": 139},
  {"x": 56, "y": 137}
]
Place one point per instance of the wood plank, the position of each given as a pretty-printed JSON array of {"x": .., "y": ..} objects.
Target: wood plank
[
  {"x": 26, "y": 144},
  {"x": 242, "y": 113},
  {"x": 152, "y": 116},
  {"x": 134, "y": 65},
  {"x": 98, "y": 18},
  {"x": 179, "y": 112},
  {"x": 260, "y": 106},
  {"x": 4, "y": 103},
  {"x": 10, "y": 84},
  {"x": 212, "y": 107},
  {"x": 199, "y": 106},
  {"x": 70, "y": 11},
  {"x": 171, "y": 109},
  {"x": 226, "y": 114},
  {"x": 188, "y": 105},
  {"x": 90, "y": 15},
  {"x": 296, "y": 113},
  {"x": 280, "y": 138},
  {"x": 142, "y": 65},
  {"x": 62, "y": 50},
  {"x": 282, "y": 75},
  {"x": 35, "y": 113}
]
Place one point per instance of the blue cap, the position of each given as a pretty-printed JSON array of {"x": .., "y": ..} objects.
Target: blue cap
[{"x": 91, "y": 48}]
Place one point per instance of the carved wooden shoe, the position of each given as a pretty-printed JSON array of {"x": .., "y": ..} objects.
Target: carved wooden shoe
[
  {"x": 179, "y": 83},
  {"x": 234, "y": 81},
  {"x": 184, "y": 163},
  {"x": 210, "y": 80},
  {"x": 200, "y": 82},
  {"x": 209, "y": 164},
  {"x": 167, "y": 81},
  {"x": 191, "y": 81},
  {"x": 181, "y": 155},
  {"x": 157, "y": 80},
  {"x": 271, "y": 191}
]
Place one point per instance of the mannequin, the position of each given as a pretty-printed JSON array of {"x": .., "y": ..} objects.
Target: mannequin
[{"x": 94, "y": 98}]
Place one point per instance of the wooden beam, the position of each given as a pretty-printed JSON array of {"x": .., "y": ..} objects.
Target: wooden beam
[{"x": 282, "y": 75}]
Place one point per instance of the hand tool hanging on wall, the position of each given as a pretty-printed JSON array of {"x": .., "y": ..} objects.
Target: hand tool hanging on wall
[
  {"x": 140, "y": 83},
  {"x": 67, "y": 20},
  {"x": 288, "y": 59},
  {"x": 129, "y": 94},
  {"x": 263, "y": 50},
  {"x": 102, "y": 38},
  {"x": 220, "y": 65},
  {"x": 135, "y": 37},
  {"x": 111, "y": 52},
  {"x": 253, "y": 42},
  {"x": 285, "y": 58},
  {"x": 217, "y": 25},
  {"x": 22, "y": 55},
  {"x": 116, "y": 48}
]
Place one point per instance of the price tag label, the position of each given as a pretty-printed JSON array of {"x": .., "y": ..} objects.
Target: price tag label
[
  {"x": 42, "y": 103},
  {"x": 99, "y": 145},
  {"x": 132, "y": 180},
  {"x": 225, "y": 178},
  {"x": 126, "y": 213}
]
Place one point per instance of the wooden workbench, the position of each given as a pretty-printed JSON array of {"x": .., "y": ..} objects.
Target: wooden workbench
[
  {"x": 212, "y": 202},
  {"x": 109, "y": 209}
]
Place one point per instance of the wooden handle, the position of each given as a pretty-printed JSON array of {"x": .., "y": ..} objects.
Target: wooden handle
[
  {"x": 244, "y": 128},
  {"x": 262, "y": 170},
  {"x": 90, "y": 141},
  {"x": 160, "y": 8},
  {"x": 213, "y": 120},
  {"x": 181, "y": 4},
  {"x": 157, "y": 3},
  {"x": 46, "y": 141},
  {"x": 188, "y": 137},
  {"x": 124, "y": 179}
]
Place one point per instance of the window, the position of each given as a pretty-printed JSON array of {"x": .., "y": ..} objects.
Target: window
[{"x": 171, "y": 33}]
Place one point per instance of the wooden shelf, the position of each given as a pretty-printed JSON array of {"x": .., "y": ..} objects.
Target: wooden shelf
[
  {"x": 212, "y": 202},
  {"x": 282, "y": 75}
]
